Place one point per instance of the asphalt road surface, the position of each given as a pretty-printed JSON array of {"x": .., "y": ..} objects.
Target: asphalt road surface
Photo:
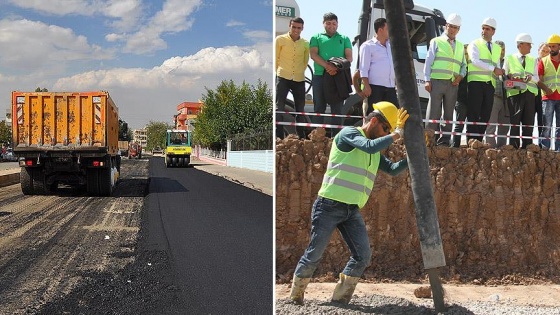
[
  {"x": 169, "y": 241},
  {"x": 219, "y": 238}
]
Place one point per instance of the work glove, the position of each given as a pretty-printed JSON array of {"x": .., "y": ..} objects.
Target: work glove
[{"x": 402, "y": 117}]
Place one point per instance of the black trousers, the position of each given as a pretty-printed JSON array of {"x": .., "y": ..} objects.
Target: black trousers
[
  {"x": 381, "y": 93},
  {"x": 480, "y": 100},
  {"x": 283, "y": 87},
  {"x": 521, "y": 112}
]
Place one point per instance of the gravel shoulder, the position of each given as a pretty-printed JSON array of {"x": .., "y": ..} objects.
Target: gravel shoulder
[{"x": 398, "y": 298}]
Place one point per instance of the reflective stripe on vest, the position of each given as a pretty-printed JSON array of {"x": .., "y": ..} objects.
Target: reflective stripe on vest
[
  {"x": 517, "y": 71},
  {"x": 480, "y": 74},
  {"x": 551, "y": 75},
  {"x": 350, "y": 175},
  {"x": 447, "y": 63}
]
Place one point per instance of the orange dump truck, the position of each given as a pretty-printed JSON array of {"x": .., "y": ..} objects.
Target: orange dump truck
[{"x": 66, "y": 138}]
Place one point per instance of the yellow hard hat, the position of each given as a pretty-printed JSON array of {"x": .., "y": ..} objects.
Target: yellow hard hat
[
  {"x": 389, "y": 112},
  {"x": 553, "y": 39}
]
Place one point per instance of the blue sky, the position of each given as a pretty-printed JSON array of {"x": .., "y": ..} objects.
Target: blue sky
[
  {"x": 150, "y": 55},
  {"x": 536, "y": 18}
]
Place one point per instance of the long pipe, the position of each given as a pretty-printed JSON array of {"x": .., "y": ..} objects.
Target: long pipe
[{"x": 426, "y": 213}]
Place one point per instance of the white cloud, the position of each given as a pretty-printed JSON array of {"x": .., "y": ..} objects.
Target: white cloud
[
  {"x": 233, "y": 23},
  {"x": 57, "y": 7},
  {"x": 126, "y": 12},
  {"x": 139, "y": 91},
  {"x": 31, "y": 45},
  {"x": 173, "y": 17},
  {"x": 258, "y": 36}
]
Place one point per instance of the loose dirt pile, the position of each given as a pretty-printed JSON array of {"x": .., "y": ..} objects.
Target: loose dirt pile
[{"x": 498, "y": 209}]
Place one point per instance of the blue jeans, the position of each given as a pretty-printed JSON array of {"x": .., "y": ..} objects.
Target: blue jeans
[
  {"x": 327, "y": 215},
  {"x": 551, "y": 109}
]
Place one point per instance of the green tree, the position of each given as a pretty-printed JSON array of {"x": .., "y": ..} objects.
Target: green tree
[
  {"x": 5, "y": 133},
  {"x": 155, "y": 132},
  {"x": 230, "y": 110},
  {"x": 39, "y": 89}
]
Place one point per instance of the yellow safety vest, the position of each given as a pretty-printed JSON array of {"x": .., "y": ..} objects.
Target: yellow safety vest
[
  {"x": 480, "y": 74},
  {"x": 350, "y": 175},
  {"x": 447, "y": 63},
  {"x": 551, "y": 75},
  {"x": 516, "y": 70}
]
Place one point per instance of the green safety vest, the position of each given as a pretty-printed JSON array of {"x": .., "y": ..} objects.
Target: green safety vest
[
  {"x": 350, "y": 175},
  {"x": 480, "y": 74},
  {"x": 447, "y": 63},
  {"x": 516, "y": 70},
  {"x": 551, "y": 75}
]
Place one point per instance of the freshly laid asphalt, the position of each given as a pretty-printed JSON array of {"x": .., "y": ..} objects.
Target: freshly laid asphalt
[
  {"x": 218, "y": 235},
  {"x": 214, "y": 224}
]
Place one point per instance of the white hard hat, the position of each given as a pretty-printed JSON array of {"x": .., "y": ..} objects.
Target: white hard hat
[
  {"x": 523, "y": 38},
  {"x": 490, "y": 22},
  {"x": 454, "y": 19}
]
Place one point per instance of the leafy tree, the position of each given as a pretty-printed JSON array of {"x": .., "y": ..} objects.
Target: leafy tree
[
  {"x": 5, "y": 132},
  {"x": 38, "y": 89},
  {"x": 155, "y": 132},
  {"x": 230, "y": 110}
]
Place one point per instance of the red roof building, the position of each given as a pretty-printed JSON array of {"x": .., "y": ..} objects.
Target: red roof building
[{"x": 186, "y": 114}]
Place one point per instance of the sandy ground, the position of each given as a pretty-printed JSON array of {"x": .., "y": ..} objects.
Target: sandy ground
[{"x": 542, "y": 295}]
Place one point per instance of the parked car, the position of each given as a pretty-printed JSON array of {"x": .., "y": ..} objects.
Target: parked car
[
  {"x": 9, "y": 156},
  {"x": 157, "y": 150}
]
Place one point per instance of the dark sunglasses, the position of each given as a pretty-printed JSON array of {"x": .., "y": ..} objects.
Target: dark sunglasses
[{"x": 384, "y": 124}]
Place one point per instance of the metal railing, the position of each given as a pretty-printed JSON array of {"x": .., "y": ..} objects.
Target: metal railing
[{"x": 256, "y": 139}]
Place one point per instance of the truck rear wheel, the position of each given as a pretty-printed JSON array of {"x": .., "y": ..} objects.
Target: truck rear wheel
[
  {"x": 167, "y": 161},
  {"x": 26, "y": 180},
  {"x": 104, "y": 178},
  {"x": 39, "y": 186},
  {"x": 92, "y": 182}
]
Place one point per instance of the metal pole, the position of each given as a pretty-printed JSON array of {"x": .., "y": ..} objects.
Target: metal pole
[{"x": 426, "y": 213}]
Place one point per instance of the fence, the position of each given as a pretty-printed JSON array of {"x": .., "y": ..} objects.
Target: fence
[{"x": 256, "y": 139}]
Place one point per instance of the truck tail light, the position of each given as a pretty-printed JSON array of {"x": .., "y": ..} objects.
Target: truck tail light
[{"x": 96, "y": 163}]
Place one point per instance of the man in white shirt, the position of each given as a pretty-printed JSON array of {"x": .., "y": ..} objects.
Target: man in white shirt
[{"x": 376, "y": 67}]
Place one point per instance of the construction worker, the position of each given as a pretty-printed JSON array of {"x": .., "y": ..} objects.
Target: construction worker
[
  {"x": 549, "y": 82},
  {"x": 483, "y": 70},
  {"x": 542, "y": 52},
  {"x": 499, "y": 113},
  {"x": 292, "y": 57},
  {"x": 353, "y": 163},
  {"x": 444, "y": 69},
  {"x": 521, "y": 101}
]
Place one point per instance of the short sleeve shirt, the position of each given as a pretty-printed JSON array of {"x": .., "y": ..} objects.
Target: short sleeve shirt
[{"x": 333, "y": 46}]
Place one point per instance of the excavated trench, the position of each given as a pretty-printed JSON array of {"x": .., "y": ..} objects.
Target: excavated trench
[{"x": 498, "y": 210}]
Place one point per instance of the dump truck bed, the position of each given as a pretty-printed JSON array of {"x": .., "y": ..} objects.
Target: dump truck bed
[{"x": 64, "y": 121}]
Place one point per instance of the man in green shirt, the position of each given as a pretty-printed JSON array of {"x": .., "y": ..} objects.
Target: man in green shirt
[{"x": 322, "y": 47}]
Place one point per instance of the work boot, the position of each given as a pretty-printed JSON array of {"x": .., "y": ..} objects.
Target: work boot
[
  {"x": 344, "y": 289},
  {"x": 298, "y": 289}
]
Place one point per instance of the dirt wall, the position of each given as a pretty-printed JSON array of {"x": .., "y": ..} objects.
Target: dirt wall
[{"x": 498, "y": 209}]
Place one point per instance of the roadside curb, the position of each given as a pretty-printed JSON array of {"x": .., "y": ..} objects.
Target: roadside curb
[{"x": 9, "y": 178}]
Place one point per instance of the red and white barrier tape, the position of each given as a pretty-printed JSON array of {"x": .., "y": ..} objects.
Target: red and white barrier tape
[{"x": 437, "y": 121}]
